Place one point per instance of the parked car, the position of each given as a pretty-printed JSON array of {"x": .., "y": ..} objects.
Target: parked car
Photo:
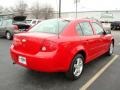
[
  {"x": 115, "y": 25},
  {"x": 9, "y": 27},
  {"x": 106, "y": 25},
  {"x": 60, "y": 45},
  {"x": 33, "y": 22}
]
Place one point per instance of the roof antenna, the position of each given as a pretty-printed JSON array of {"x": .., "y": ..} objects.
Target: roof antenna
[
  {"x": 59, "y": 15},
  {"x": 58, "y": 28}
]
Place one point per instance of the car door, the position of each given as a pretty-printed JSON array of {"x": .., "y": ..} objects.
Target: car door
[
  {"x": 102, "y": 39},
  {"x": 3, "y": 28},
  {"x": 0, "y": 27},
  {"x": 88, "y": 40}
]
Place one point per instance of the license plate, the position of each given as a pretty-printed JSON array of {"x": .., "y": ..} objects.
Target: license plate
[{"x": 22, "y": 60}]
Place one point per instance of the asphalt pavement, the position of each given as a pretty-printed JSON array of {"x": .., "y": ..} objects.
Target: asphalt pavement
[{"x": 15, "y": 77}]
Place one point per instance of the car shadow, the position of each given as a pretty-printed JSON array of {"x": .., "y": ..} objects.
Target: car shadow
[{"x": 52, "y": 81}]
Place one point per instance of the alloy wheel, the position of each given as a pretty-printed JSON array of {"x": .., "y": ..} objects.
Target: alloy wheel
[{"x": 78, "y": 67}]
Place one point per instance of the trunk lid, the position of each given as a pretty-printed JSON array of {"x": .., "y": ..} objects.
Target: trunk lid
[
  {"x": 20, "y": 22},
  {"x": 19, "y": 18},
  {"x": 30, "y": 43}
]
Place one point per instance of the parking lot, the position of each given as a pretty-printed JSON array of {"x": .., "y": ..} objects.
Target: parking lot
[{"x": 15, "y": 77}]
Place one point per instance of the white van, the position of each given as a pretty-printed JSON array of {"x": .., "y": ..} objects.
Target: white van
[{"x": 33, "y": 22}]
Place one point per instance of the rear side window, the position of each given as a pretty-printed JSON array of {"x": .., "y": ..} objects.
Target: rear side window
[
  {"x": 79, "y": 30},
  {"x": 7, "y": 22},
  {"x": 86, "y": 28},
  {"x": 4, "y": 23},
  {"x": 99, "y": 30}
]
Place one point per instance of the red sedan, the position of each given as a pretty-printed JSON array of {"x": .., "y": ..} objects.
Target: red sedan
[{"x": 60, "y": 45}]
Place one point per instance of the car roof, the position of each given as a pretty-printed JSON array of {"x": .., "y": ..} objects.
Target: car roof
[
  {"x": 74, "y": 19},
  {"x": 81, "y": 19},
  {"x": 70, "y": 19}
]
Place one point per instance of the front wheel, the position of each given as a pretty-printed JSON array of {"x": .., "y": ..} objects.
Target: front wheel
[{"x": 76, "y": 67}]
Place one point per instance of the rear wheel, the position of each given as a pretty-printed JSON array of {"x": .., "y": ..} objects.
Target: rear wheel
[
  {"x": 8, "y": 35},
  {"x": 111, "y": 49},
  {"x": 112, "y": 28},
  {"x": 76, "y": 68}
]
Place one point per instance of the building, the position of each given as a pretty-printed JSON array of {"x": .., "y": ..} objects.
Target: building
[{"x": 110, "y": 16}]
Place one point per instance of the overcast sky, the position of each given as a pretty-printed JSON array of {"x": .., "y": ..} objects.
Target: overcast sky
[{"x": 68, "y": 5}]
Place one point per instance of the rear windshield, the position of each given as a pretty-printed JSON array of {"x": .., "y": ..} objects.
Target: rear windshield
[{"x": 53, "y": 26}]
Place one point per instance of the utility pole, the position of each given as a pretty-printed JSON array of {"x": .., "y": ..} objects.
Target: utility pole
[{"x": 59, "y": 8}]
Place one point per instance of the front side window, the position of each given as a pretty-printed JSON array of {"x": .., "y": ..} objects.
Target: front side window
[
  {"x": 53, "y": 26},
  {"x": 86, "y": 28},
  {"x": 99, "y": 30}
]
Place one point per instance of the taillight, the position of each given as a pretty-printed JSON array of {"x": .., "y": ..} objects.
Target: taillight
[
  {"x": 48, "y": 46},
  {"x": 16, "y": 41},
  {"x": 15, "y": 27}
]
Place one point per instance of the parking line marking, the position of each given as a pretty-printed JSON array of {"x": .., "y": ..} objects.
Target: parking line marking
[{"x": 97, "y": 75}]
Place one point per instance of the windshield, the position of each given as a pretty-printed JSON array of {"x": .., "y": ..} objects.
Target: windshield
[{"x": 50, "y": 26}]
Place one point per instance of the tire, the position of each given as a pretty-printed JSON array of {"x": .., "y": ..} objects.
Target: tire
[
  {"x": 76, "y": 68},
  {"x": 111, "y": 28},
  {"x": 8, "y": 36},
  {"x": 116, "y": 28},
  {"x": 111, "y": 49}
]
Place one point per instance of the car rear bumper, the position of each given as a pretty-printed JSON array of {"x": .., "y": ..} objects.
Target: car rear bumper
[{"x": 48, "y": 62}]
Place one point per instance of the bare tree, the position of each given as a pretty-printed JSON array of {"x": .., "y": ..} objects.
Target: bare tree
[
  {"x": 47, "y": 12},
  {"x": 7, "y": 11},
  {"x": 36, "y": 10},
  {"x": 20, "y": 8},
  {"x": 42, "y": 12}
]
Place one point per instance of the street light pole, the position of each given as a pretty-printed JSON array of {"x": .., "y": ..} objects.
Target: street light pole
[
  {"x": 76, "y": 8},
  {"x": 76, "y": 4},
  {"x": 59, "y": 8}
]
